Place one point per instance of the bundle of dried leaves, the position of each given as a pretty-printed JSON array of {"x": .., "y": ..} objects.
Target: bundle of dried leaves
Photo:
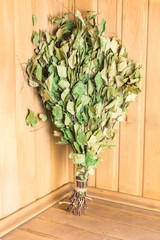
[{"x": 86, "y": 83}]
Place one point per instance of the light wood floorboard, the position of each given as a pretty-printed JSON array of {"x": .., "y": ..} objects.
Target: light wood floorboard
[{"x": 104, "y": 221}]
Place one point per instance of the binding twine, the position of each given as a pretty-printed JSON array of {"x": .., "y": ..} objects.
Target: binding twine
[{"x": 78, "y": 189}]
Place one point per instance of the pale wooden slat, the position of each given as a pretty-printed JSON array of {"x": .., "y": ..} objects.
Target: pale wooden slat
[
  {"x": 61, "y": 231},
  {"x": 89, "y": 5},
  {"x": 0, "y": 194},
  {"x": 128, "y": 208},
  {"x": 121, "y": 214},
  {"x": 42, "y": 137},
  {"x": 119, "y": 19},
  {"x": 19, "y": 234},
  {"x": 25, "y": 98},
  {"x": 8, "y": 145},
  {"x": 107, "y": 171},
  {"x": 123, "y": 198},
  {"x": 132, "y": 130},
  {"x": 58, "y": 153},
  {"x": 97, "y": 224},
  {"x": 152, "y": 123},
  {"x": 127, "y": 217}
]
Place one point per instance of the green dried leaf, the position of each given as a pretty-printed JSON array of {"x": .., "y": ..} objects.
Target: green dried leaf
[
  {"x": 63, "y": 142},
  {"x": 81, "y": 138},
  {"x": 122, "y": 65},
  {"x": 54, "y": 59},
  {"x": 64, "y": 94},
  {"x": 57, "y": 134},
  {"x": 60, "y": 32},
  {"x": 67, "y": 120},
  {"x": 77, "y": 147},
  {"x": 46, "y": 95},
  {"x": 110, "y": 144},
  {"x": 43, "y": 117},
  {"x": 69, "y": 135},
  {"x": 63, "y": 84},
  {"x": 98, "y": 81},
  {"x": 91, "y": 112},
  {"x": 119, "y": 81},
  {"x": 79, "y": 89},
  {"x": 34, "y": 20},
  {"x": 49, "y": 82},
  {"x": 70, "y": 107},
  {"x": 57, "y": 112},
  {"x": 135, "y": 90},
  {"x": 62, "y": 71},
  {"x": 114, "y": 45},
  {"x": 78, "y": 15},
  {"x": 65, "y": 48},
  {"x": 131, "y": 97},
  {"x": 31, "y": 119},
  {"x": 35, "y": 38},
  {"x": 33, "y": 83},
  {"x": 90, "y": 87},
  {"x": 50, "y": 49},
  {"x": 72, "y": 59},
  {"x": 111, "y": 104},
  {"x": 77, "y": 158},
  {"x": 103, "y": 25},
  {"x": 39, "y": 72}
]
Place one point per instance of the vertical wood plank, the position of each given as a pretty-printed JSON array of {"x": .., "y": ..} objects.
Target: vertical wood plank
[
  {"x": 107, "y": 171},
  {"x": 25, "y": 97},
  {"x": 42, "y": 137},
  {"x": 8, "y": 145},
  {"x": 152, "y": 116},
  {"x": 132, "y": 130},
  {"x": 1, "y": 189},
  {"x": 59, "y": 153},
  {"x": 88, "y": 5}
]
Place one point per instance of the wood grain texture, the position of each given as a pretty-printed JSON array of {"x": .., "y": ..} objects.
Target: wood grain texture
[
  {"x": 21, "y": 234},
  {"x": 8, "y": 146},
  {"x": 123, "y": 198},
  {"x": 12, "y": 221},
  {"x": 134, "y": 24},
  {"x": 152, "y": 116},
  {"x": 107, "y": 171},
  {"x": 31, "y": 164},
  {"x": 25, "y": 97},
  {"x": 110, "y": 223},
  {"x": 104, "y": 221},
  {"x": 40, "y": 8},
  {"x": 65, "y": 231}
]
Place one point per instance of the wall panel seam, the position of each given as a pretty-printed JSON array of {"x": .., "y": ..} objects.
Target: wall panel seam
[{"x": 145, "y": 97}]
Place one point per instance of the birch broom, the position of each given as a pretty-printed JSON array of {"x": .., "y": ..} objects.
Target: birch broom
[{"x": 86, "y": 83}]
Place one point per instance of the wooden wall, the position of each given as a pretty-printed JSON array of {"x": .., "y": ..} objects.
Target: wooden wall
[
  {"x": 133, "y": 166},
  {"x": 31, "y": 165}
]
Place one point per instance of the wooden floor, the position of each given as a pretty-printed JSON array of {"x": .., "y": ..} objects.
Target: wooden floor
[{"x": 104, "y": 220}]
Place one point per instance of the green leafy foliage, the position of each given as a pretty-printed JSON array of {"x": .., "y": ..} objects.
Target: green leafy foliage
[
  {"x": 31, "y": 119},
  {"x": 86, "y": 83}
]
